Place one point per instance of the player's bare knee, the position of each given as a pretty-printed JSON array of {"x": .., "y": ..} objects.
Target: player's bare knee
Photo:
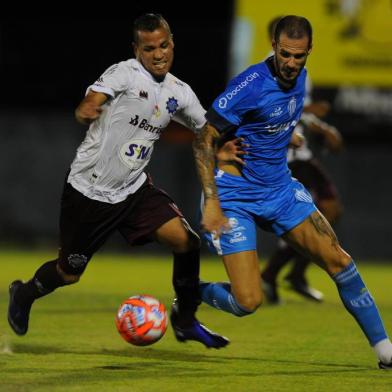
[
  {"x": 338, "y": 264},
  {"x": 250, "y": 302}
]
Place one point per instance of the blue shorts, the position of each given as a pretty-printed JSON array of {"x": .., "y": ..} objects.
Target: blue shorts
[{"x": 276, "y": 209}]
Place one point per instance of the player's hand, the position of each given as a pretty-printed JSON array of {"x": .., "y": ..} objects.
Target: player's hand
[
  {"x": 232, "y": 151},
  {"x": 297, "y": 140},
  {"x": 88, "y": 112},
  {"x": 333, "y": 139},
  {"x": 318, "y": 108},
  {"x": 214, "y": 221}
]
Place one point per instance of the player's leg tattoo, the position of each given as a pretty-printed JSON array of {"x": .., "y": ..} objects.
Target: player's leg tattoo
[{"x": 323, "y": 228}]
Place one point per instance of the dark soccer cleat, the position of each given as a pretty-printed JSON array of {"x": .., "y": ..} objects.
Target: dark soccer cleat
[
  {"x": 18, "y": 313},
  {"x": 385, "y": 366},
  {"x": 270, "y": 290},
  {"x": 196, "y": 331},
  {"x": 302, "y": 288}
]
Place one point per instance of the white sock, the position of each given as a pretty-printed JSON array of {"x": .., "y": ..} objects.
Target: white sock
[{"x": 383, "y": 350}]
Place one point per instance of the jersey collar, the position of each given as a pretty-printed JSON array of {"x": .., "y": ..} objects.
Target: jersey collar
[
  {"x": 147, "y": 74},
  {"x": 282, "y": 83}
]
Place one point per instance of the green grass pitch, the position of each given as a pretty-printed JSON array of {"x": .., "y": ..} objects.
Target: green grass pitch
[{"x": 73, "y": 345}]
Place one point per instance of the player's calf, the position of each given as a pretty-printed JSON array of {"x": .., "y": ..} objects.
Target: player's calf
[
  {"x": 219, "y": 296},
  {"x": 361, "y": 305}
]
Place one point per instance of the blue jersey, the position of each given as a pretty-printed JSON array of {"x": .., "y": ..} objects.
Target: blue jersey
[{"x": 255, "y": 107}]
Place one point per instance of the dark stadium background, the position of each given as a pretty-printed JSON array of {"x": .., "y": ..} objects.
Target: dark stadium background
[{"x": 46, "y": 65}]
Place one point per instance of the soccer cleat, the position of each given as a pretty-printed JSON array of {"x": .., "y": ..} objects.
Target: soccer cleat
[
  {"x": 385, "y": 366},
  {"x": 196, "y": 331},
  {"x": 18, "y": 313},
  {"x": 270, "y": 290},
  {"x": 302, "y": 288}
]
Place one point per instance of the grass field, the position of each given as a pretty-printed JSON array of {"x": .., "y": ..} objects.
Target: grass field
[{"x": 72, "y": 344}]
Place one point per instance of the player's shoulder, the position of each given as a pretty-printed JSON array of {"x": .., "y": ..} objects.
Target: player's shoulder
[
  {"x": 130, "y": 65},
  {"x": 304, "y": 73},
  {"x": 122, "y": 67},
  {"x": 249, "y": 82},
  {"x": 302, "y": 79},
  {"x": 177, "y": 85}
]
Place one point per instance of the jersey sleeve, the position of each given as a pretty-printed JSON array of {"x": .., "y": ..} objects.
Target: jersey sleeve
[
  {"x": 112, "y": 82},
  {"x": 192, "y": 115},
  {"x": 229, "y": 108}
]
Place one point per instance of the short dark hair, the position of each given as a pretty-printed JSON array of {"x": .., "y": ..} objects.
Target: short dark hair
[
  {"x": 149, "y": 22},
  {"x": 272, "y": 25},
  {"x": 294, "y": 27}
]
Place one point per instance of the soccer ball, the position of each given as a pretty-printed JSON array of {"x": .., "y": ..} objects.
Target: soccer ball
[{"x": 141, "y": 320}]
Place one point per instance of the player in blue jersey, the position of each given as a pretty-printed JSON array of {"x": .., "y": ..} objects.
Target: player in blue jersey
[{"x": 262, "y": 105}]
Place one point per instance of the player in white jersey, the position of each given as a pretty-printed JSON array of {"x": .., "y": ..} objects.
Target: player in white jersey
[
  {"x": 107, "y": 188},
  {"x": 110, "y": 163}
]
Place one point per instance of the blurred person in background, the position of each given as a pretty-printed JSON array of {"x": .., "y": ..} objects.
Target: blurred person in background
[
  {"x": 263, "y": 105},
  {"x": 107, "y": 188}
]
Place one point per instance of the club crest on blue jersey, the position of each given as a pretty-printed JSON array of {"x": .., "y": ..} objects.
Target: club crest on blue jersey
[
  {"x": 292, "y": 105},
  {"x": 171, "y": 105}
]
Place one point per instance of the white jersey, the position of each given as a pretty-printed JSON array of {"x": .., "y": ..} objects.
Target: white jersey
[
  {"x": 302, "y": 153},
  {"x": 109, "y": 164}
]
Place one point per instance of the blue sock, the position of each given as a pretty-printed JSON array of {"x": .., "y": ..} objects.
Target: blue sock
[
  {"x": 218, "y": 295},
  {"x": 358, "y": 301}
]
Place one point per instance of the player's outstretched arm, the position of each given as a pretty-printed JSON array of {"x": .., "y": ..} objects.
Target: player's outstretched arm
[
  {"x": 318, "y": 108},
  {"x": 204, "y": 151},
  {"x": 90, "y": 108},
  {"x": 332, "y": 137}
]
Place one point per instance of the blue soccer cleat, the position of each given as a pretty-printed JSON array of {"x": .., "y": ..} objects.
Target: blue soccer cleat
[
  {"x": 196, "y": 331},
  {"x": 18, "y": 313}
]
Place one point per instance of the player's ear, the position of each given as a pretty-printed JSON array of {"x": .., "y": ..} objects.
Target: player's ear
[
  {"x": 310, "y": 49},
  {"x": 274, "y": 45},
  {"x": 135, "y": 50}
]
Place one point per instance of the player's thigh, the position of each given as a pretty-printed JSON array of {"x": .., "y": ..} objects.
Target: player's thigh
[
  {"x": 85, "y": 224},
  {"x": 155, "y": 217},
  {"x": 244, "y": 273},
  {"x": 315, "y": 238},
  {"x": 177, "y": 235}
]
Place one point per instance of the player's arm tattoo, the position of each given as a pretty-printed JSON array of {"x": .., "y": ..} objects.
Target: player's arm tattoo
[
  {"x": 323, "y": 227},
  {"x": 204, "y": 152}
]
